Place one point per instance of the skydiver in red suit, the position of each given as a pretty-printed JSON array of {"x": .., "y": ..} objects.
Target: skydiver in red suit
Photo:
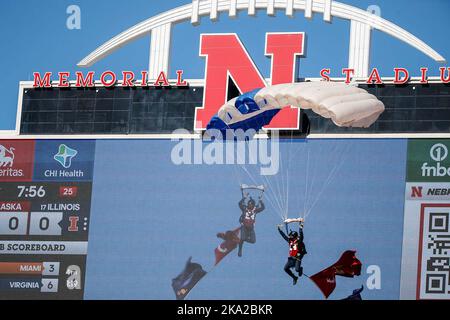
[
  {"x": 248, "y": 219},
  {"x": 297, "y": 250}
]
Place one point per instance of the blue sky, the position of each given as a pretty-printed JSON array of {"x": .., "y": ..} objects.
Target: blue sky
[{"x": 35, "y": 38}]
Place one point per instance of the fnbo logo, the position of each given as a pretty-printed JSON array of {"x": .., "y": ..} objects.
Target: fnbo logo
[{"x": 438, "y": 154}]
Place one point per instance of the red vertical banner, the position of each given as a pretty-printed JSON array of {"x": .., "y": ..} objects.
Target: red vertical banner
[
  {"x": 284, "y": 49},
  {"x": 16, "y": 160}
]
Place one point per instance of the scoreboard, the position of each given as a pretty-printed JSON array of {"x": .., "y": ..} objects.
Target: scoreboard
[{"x": 45, "y": 200}]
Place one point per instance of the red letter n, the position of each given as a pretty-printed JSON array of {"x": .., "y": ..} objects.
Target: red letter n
[{"x": 225, "y": 56}]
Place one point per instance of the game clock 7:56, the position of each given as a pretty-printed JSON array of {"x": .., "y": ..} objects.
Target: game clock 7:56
[{"x": 31, "y": 191}]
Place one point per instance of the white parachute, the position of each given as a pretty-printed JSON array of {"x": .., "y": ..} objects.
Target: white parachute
[{"x": 345, "y": 105}]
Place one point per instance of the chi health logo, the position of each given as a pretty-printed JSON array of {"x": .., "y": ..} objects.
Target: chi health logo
[
  {"x": 6, "y": 157},
  {"x": 438, "y": 153},
  {"x": 65, "y": 156}
]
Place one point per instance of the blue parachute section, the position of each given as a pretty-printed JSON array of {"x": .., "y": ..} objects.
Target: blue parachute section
[{"x": 244, "y": 114}]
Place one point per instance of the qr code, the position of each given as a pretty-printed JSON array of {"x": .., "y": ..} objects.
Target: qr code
[{"x": 434, "y": 263}]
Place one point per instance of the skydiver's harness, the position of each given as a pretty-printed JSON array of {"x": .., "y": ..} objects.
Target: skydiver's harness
[
  {"x": 249, "y": 217},
  {"x": 296, "y": 247}
]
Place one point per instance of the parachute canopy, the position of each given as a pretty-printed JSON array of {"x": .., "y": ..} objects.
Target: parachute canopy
[{"x": 345, "y": 105}]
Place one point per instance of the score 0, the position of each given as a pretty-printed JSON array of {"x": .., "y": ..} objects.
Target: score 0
[{"x": 34, "y": 223}]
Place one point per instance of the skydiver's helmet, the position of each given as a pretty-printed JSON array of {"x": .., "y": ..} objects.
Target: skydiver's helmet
[
  {"x": 251, "y": 203},
  {"x": 293, "y": 235}
]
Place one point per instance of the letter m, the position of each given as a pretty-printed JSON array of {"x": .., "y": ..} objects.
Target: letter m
[
  {"x": 40, "y": 82},
  {"x": 226, "y": 57},
  {"x": 416, "y": 192}
]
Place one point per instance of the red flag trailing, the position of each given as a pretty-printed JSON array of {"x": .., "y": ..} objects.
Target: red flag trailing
[
  {"x": 231, "y": 241},
  {"x": 325, "y": 280},
  {"x": 347, "y": 266}
]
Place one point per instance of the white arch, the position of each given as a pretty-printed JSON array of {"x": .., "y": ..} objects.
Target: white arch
[{"x": 197, "y": 9}]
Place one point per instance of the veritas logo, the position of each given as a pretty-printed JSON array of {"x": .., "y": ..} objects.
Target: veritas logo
[
  {"x": 438, "y": 153},
  {"x": 6, "y": 157},
  {"x": 16, "y": 160}
]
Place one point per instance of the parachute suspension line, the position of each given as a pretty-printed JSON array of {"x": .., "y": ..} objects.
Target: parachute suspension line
[
  {"x": 329, "y": 179},
  {"x": 306, "y": 181},
  {"x": 288, "y": 171},
  {"x": 275, "y": 201},
  {"x": 330, "y": 176},
  {"x": 313, "y": 173},
  {"x": 298, "y": 202},
  {"x": 236, "y": 174},
  {"x": 275, "y": 186},
  {"x": 313, "y": 177},
  {"x": 279, "y": 184},
  {"x": 277, "y": 208},
  {"x": 287, "y": 196},
  {"x": 283, "y": 183}
]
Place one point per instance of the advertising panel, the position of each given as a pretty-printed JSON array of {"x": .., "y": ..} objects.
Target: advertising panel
[
  {"x": 426, "y": 240},
  {"x": 44, "y": 218}
]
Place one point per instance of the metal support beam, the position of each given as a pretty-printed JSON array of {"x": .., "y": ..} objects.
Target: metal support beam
[
  {"x": 251, "y": 7},
  {"x": 195, "y": 19},
  {"x": 359, "y": 51},
  {"x": 271, "y": 7},
  {"x": 159, "y": 50},
  {"x": 308, "y": 9},
  {"x": 213, "y": 15},
  {"x": 327, "y": 10},
  {"x": 233, "y": 8}
]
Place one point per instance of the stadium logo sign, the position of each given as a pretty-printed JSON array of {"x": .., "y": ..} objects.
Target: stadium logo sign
[
  {"x": 438, "y": 153},
  {"x": 107, "y": 79}
]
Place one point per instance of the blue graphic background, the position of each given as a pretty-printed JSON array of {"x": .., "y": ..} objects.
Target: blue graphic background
[
  {"x": 145, "y": 226},
  {"x": 47, "y": 149},
  {"x": 56, "y": 48}
]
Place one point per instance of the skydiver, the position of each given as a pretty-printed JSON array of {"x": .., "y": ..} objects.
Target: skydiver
[
  {"x": 248, "y": 219},
  {"x": 297, "y": 249}
]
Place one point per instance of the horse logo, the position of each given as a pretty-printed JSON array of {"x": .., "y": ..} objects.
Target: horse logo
[{"x": 6, "y": 160}]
